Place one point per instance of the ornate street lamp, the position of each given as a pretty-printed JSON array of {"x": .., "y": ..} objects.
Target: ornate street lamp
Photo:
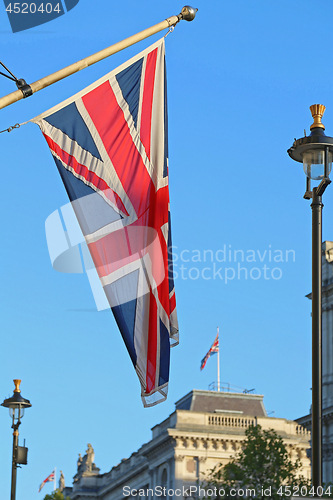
[
  {"x": 16, "y": 405},
  {"x": 315, "y": 152}
]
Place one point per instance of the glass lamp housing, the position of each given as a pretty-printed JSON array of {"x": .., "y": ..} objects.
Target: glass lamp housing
[
  {"x": 314, "y": 163},
  {"x": 16, "y": 413}
]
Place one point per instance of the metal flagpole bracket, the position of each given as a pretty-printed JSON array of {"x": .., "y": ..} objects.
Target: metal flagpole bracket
[
  {"x": 24, "y": 87},
  {"x": 21, "y": 84}
]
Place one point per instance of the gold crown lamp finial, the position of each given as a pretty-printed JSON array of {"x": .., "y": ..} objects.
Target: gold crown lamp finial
[
  {"x": 317, "y": 111},
  {"x": 17, "y": 384}
]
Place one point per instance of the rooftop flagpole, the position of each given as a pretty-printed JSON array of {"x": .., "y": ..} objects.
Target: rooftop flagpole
[
  {"x": 187, "y": 13},
  {"x": 218, "y": 360}
]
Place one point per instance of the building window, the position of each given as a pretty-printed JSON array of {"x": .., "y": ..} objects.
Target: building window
[{"x": 164, "y": 483}]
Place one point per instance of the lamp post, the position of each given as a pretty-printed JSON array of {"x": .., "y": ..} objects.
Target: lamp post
[
  {"x": 16, "y": 405},
  {"x": 315, "y": 151}
]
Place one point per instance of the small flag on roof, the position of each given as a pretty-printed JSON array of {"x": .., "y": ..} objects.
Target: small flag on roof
[
  {"x": 213, "y": 350},
  {"x": 50, "y": 478}
]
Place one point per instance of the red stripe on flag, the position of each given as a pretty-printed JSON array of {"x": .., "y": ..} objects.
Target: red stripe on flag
[
  {"x": 113, "y": 129},
  {"x": 84, "y": 172},
  {"x": 147, "y": 101},
  {"x": 158, "y": 216}
]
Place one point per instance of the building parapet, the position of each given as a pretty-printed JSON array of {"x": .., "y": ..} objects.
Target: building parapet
[
  {"x": 224, "y": 420},
  {"x": 228, "y": 421}
]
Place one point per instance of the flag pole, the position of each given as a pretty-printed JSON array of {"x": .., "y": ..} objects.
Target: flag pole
[
  {"x": 54, "y": 482},
  {"x": 187, "y": 13},
  {"x": 218, "y": 360}
]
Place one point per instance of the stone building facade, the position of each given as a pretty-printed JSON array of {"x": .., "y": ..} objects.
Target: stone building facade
[
  {"x": 327, "y": 362},
  {"x": 206, "y": 428}
]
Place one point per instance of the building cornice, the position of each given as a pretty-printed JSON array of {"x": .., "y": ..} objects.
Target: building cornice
[{"x": 306, "y": 420}]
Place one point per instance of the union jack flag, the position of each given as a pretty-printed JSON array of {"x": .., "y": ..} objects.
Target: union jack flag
[
  {"x": 213, "y": 350},
  {"x": 50, "y": 478},
  {"x": 109, "y": 143}
]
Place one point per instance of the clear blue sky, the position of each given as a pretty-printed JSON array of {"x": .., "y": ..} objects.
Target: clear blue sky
[{"x": 241, "y": 78}]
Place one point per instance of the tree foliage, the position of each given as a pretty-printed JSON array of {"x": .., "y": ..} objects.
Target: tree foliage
[
  {"x": 262, "y": 466},
  {"x": 56, "y": 495}
]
